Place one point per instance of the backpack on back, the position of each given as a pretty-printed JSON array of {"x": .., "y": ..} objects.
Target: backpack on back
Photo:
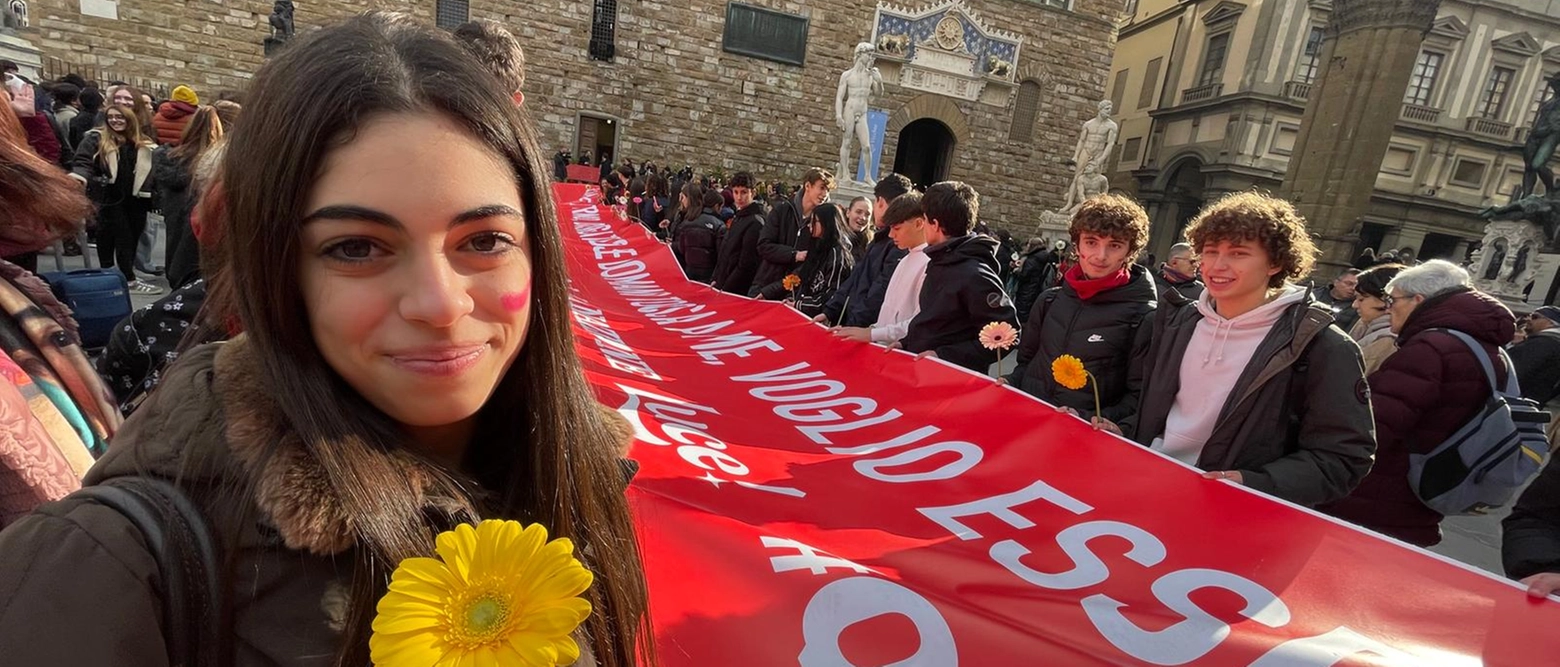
[{"x": 1486, "y": 462}]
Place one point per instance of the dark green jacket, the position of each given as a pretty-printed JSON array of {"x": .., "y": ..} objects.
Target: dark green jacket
[{"x": 1306, "y": 437}]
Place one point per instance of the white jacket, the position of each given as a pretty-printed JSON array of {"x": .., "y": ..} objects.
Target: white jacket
[{"x": 903, "y": 300}]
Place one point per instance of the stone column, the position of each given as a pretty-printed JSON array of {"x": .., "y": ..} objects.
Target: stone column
[{"x": 1367, "y": 59}]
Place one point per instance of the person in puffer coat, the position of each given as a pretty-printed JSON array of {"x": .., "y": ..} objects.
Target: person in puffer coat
[
  {"x": 962, "y": 292},
  {"x": 697, "y": 240},
  {"x": 1096, "y": 315},
  {"x": 1030, "y": 281},
  {"x": 174, "y": 115},
  {"x": 738, "y": 261},
  {"x": 1424, "y": 392},
  {"x": 1530, "y": 536},
  {"x": 783, "y": 243}
]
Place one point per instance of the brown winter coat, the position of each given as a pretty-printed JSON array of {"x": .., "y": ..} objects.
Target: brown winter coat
[
  {"x": 1422, "y": 394},
  {"x": 78, "y": 586}
]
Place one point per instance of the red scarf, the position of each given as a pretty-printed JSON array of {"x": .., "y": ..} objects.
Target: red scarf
[{"x": 1088, "y": 287}]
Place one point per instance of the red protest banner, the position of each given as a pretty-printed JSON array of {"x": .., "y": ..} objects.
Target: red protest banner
[{"x": 809, "y": 501}]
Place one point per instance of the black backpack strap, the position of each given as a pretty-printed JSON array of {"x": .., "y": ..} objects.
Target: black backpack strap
[{"x": 182, "y": 543}]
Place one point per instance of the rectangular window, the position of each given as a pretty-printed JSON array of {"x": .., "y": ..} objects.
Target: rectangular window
[
  {"x": 1422, "y": 83},
  {"x": 1213, "y": 59},
  {"x": 1310, "y": 58},
  {"x": 450, "y": 14},
  {"x": 1469, "y": 173},
  {"x": 1059, "y": 4},
  {"x": 1492, "y": 104},
  {"x": 1118, "y": 89},
  {"x": 1026, "y": 105},
  {"x": 765, "y": 33},
  {"x": 1131, "y": 150},
  {"x": 1150, "y": 83},
  {"x": 603, "y": 30}
]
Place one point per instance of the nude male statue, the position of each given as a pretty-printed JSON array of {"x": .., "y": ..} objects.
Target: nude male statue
[
  {"x": 857, "y": 86},
  {"x": 1094, "y": 146}
]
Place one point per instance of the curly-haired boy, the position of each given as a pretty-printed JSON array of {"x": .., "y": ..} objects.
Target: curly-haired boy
[{"x": 1252, "y": 382}]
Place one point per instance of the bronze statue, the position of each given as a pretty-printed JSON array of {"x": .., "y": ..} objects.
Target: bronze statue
[
  {"x": 1541, "y": 211},
  {"x": 1541, "y": 144},
  {"x": 282, "y": 20}
]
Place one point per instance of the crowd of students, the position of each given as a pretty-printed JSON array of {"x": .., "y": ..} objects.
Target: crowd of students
[{"x": 372, "y": 331}]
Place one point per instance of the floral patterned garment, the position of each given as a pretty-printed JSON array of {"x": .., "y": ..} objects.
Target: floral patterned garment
[{"x": 147, "y": 342}]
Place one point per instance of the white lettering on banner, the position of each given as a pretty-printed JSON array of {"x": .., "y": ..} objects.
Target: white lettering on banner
[
  {"x": 1088, "y": 570},
  {"x": 897, "y": 441},
  {"x": 1002, "y": 508},
  {"x": 698, "y": 448},
  {"x": 968, "y": 456},
  {"x": 741, "y": 345},
  {"x": 1194, "y": 637},
  {"x": 617, "y": 353},
  {"x": 797, "y": 384},
  {"x": 807, "y": 558},
  {"x": 849, "y": 601},
  {"x": 1185, "y": 641}
]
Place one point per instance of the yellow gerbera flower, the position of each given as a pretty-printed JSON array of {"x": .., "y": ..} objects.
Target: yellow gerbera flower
[
  {"x": 499, "y": 594},
  {"x": 1068, "y": 371}
]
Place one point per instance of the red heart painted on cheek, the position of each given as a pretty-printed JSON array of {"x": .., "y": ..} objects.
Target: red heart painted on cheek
[{"x": 515, "y": 302}]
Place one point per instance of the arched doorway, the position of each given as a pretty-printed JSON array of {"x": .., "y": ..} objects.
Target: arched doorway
[
  {"x": 924, "y": 152},
  {"x": 1180, "y": 199}
]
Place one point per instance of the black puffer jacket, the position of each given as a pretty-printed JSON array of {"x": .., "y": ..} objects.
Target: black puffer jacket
[
  {"x": 961, "y": 294},
  {"x": 1537, "y": 360},
  {"x": 698, "y": 243},
  {"x": 739, "y": 260},
  {"x": 1106, "y": 332},
  {"x": 1531, "y": 535},
  {"x": 172, "y": 175},
  {"x": 778, "y": 243},
  {"x": 1031, "y": 280}
]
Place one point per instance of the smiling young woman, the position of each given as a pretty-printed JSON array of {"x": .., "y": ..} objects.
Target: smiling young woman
[{"x": 391, "y": 250}]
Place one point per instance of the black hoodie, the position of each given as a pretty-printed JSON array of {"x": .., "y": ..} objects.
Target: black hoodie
[
  {"x": 962, "y": 294},
  {"x": 779, "y": 241},
  {"x": 1106, "y": 332},
  {"x": 739, "y": 259}
]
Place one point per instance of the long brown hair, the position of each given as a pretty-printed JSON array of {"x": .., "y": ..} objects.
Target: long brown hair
[
  {"x": 112, "y": 140},
  {"x": 32, "y": 188},
  {"x": 203, "y": 131},
  {"x": 543, "y": 452}
]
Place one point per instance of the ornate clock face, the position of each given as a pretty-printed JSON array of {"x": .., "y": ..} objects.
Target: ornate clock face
[{"x": 949, "y": 34}]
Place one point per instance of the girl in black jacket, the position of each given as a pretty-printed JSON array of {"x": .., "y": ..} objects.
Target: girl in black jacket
[
  {"x": 827, "y": 265},
  {"x": 115, "y": 160}
]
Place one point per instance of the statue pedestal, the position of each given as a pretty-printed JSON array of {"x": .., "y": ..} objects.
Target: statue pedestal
[
  {"x": 845, "y": 191},
  {"x": 1509, "y": 261},
  {"x": 272, "y": 45},
  {"x": 1054, "y": 224}
]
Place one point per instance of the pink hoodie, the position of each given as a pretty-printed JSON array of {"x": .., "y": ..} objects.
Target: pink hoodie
[{"x": 1215, "y": 358}]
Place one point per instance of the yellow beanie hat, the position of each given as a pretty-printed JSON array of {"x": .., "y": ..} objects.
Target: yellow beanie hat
[{"x": 186, "y": 95}]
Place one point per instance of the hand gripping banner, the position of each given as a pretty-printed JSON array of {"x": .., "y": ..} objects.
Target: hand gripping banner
[{"x": 805, "y": 500}]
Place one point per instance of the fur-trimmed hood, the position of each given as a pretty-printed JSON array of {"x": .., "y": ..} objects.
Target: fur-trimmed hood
[{"x": 211, "y": 423}]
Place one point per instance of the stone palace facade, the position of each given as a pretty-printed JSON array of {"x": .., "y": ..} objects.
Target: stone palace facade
[{"x": 991, "y": 92}]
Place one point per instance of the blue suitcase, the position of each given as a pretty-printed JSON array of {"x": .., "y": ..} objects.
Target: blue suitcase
[{"x": 98, "y": 297}]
